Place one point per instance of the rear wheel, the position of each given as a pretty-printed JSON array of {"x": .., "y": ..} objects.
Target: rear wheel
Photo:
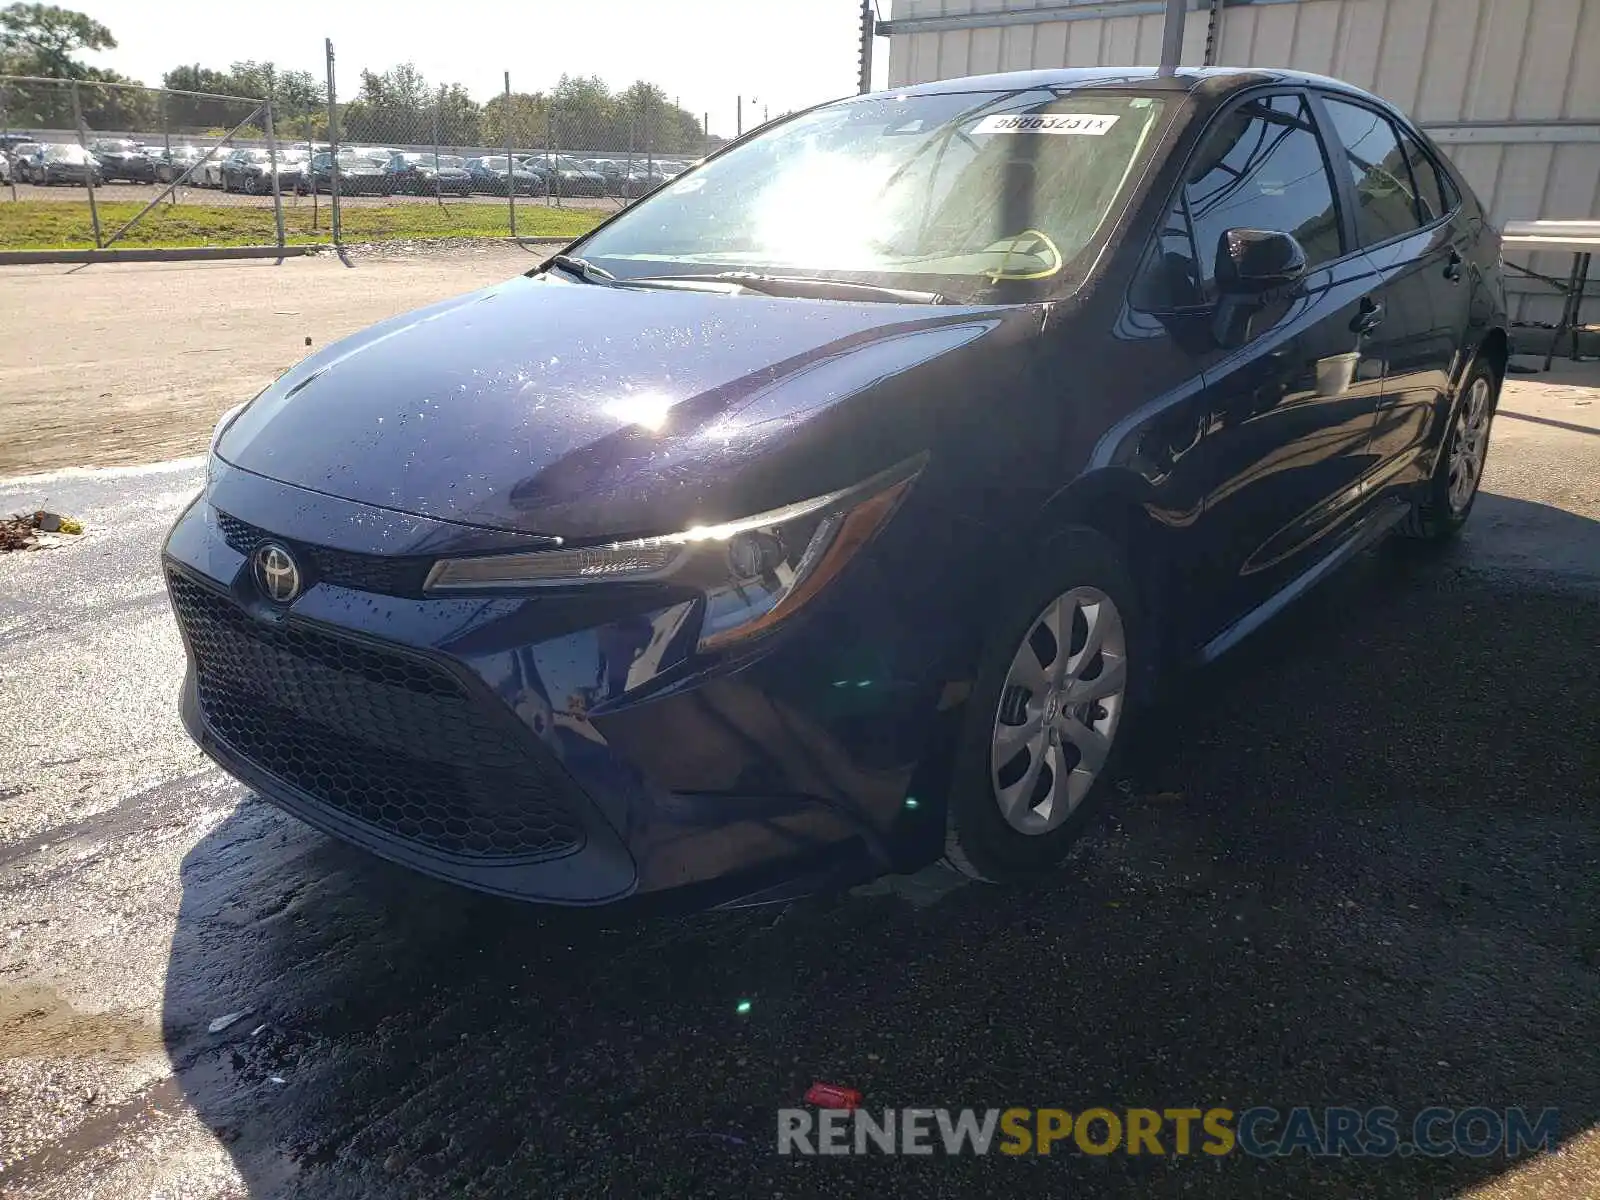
[
  {"x": 1047, "y": 714},
  {"x": 1453, "y": 487}
]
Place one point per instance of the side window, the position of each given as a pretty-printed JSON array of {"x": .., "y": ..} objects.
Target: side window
[
  {"x": 1386, "y": 203},
  {"x": 1433, "y": 200},
  {"x": 1262, "y": 167},
  {"x": 1170, "y": 276}
]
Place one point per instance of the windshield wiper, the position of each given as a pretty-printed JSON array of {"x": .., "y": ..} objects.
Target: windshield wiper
[
  {"x": 582, "y": 268},
  {"x": 797, "y": 285}
]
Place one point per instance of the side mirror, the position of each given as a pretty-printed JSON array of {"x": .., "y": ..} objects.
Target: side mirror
[{"x": 1253, "y": 261}]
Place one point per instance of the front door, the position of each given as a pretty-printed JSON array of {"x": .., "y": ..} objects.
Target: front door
[{"x": 1290, "y": 393}]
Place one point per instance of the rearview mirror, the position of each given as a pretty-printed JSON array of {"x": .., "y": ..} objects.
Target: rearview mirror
[{"x": 1253, "y": 261}]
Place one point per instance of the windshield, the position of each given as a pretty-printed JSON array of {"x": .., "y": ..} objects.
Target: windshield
[
  {"x": 67, "y": 154},
  {"x": 971, "y": 188},
  {"x": 428, "y": 160},
  {"x": 349, "y": 158}
]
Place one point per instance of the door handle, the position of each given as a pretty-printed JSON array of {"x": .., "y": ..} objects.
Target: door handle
[
  {"x": 1369, "y": 318},
  {"x": 1452, "y": 269}
]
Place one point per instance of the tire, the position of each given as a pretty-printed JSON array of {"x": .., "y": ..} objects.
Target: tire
[
  {"x": 1081, "y": 572},
  {"x": 1446, "y": 502},
  {"x": 250, "y": 185}
]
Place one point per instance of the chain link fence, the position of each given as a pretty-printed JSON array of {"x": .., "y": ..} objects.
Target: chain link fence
[{"x": 90, "y": 164}]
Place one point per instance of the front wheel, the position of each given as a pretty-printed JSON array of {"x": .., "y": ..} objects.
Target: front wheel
[
  {"x": 1048, "y": 712},
  {"x": 1453, "y": 488}
]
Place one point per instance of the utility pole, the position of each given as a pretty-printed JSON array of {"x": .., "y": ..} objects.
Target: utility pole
[
  {"x": 333, "y": 152},
  {"x": 869, "y": 28},
  {"x": 1172, "y": 35},
  {"x": 511, "y": 162},
  {"x": 738, "y": 118}
]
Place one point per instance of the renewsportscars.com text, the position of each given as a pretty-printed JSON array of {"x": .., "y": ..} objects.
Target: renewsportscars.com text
[{"x": 1332, "y": 1132}]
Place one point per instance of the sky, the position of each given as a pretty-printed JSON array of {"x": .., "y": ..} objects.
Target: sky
[{"x": 778, "y": 54}]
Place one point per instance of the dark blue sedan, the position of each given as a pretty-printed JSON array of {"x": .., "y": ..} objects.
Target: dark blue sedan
[{"x": 836, "y": 508}]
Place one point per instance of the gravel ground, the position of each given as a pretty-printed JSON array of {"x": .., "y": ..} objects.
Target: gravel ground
[{"x": 1356, "y": 863}]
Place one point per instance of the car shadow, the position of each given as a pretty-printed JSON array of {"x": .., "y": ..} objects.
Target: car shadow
[{"x": 1355, "y": 864}]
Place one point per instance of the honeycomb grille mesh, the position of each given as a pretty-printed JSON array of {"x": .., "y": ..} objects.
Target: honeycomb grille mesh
[
  {"x": 383, "y": 738},
  {"x": 390, "y": 575}
]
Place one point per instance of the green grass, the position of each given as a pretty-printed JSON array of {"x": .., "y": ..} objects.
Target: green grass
[{"x": 65, "y": 225}]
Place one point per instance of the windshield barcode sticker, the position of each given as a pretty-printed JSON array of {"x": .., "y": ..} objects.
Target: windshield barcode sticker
[{"x": 1093, "y": 124}]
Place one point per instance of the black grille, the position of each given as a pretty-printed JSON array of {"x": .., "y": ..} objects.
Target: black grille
[
  {"x": 390, "y": 575},
  {"x": 387, "y": 739}
]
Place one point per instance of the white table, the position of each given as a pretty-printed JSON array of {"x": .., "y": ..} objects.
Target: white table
[{"x": 1580, "y": 239}]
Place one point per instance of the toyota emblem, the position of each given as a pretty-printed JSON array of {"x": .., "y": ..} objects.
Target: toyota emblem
[{"x": 276, "y": 573}]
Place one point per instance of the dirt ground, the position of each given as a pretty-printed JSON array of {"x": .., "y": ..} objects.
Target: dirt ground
[{"x": 131, "y": 363}]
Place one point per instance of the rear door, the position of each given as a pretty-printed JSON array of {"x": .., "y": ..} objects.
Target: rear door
[
  {"x": 1288, "y": 402},
  {"x": 1416, "y": 249}
]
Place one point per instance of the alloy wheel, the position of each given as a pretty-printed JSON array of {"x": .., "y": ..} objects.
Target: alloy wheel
[
  {"x": 1469, "y": 443},
  {"x": 1059, "y": 710}
]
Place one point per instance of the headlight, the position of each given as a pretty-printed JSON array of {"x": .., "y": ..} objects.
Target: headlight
[{"x": 753, "y": 572}]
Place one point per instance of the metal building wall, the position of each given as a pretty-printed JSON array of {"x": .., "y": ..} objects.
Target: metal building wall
[{"x": 1510, "y": 89}]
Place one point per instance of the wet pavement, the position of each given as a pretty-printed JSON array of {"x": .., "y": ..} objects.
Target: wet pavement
[{"x": 1357, "y": 863}]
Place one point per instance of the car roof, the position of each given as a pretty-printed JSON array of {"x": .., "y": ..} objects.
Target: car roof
[{"x": 1211, "y": 82}]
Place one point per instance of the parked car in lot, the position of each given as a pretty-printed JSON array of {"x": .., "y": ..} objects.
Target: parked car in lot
[
  {"x": 493, "y": 174},
  {"x": 611, "y": 169},
  {"x": 568, "y": 176},
  {"x": 428, "y": 174},
  {"x": 22, "y": 156},
  {"x": 250, "y": 171},
  {"x": 172, "y": 163},
  {"x": 9, "y": 142},
  {"x": 643, "y": 178},
  {"x": 120, "y": 158},
  {"x": 209, "y": 174},
  {"x": 777, "y": 535},
  {"x": 361, "y": 173},
  {"x": 60, "y": 163},
  {"x": 5, "y": 169}
]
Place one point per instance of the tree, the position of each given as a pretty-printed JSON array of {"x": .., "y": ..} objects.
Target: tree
[
  {"x": 299, "y": 100},
  {"x": 522, "y": 115},
  {"x": 193, "y": 114},
  {"x": 399, "y": 106},
  {"x": 127, "y": 109},
  {"x": 586, "y": 115},
  {"x": 460, "y": 118},
  {"x": 41, "y": 39}
]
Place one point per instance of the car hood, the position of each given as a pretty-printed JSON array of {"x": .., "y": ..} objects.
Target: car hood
[{"x": 584, "y": 411}]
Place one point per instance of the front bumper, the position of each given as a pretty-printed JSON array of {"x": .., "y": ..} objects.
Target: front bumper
[{"x": 567, "y": 750}]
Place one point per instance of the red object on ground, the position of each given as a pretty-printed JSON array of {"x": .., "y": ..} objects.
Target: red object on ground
[{"x": 833, "y": 1095}]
